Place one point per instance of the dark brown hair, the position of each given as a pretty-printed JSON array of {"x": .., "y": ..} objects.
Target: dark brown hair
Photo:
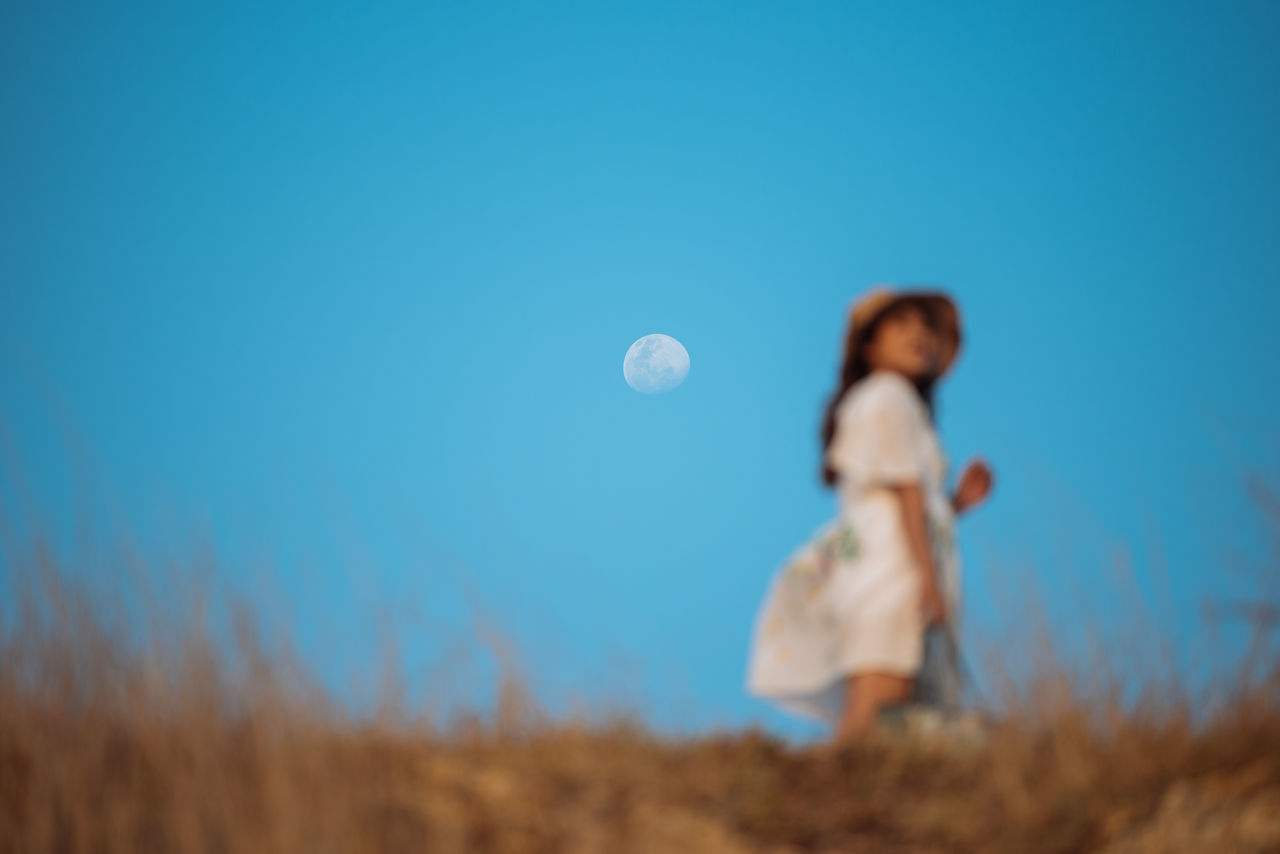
[{"x": 855, "y": 367}]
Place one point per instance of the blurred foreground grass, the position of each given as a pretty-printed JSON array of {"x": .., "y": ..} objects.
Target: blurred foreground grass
[{"x": 178, "y": 743}]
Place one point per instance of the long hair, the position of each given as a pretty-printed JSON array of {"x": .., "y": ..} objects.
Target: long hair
[{"x": 855, "y": 367}]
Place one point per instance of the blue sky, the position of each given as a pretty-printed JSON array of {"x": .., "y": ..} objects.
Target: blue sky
[{"x": 345, "y": 292}]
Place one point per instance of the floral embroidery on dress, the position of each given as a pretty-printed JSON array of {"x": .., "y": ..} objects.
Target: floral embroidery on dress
[
  {"x": 841, "y": 543},
  {"x": 804, "y": 579}
]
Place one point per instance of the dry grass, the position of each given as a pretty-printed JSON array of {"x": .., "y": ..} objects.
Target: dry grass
[{"x": 177, "y": 743}]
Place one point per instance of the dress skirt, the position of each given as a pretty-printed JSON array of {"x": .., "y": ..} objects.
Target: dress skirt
[{"x": 834, "y": 608}]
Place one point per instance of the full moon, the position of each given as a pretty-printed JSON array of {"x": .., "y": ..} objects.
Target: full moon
[{"x": 655, "y": 363}]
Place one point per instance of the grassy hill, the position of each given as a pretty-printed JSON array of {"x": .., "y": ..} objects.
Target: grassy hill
[{"x": 114, "y": 742}]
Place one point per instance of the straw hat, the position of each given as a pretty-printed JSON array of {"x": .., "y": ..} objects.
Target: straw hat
[{"x": 875, "y": 302}]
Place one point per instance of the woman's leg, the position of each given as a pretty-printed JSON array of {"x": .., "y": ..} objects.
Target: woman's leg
[{"x": 865, "y": 695}]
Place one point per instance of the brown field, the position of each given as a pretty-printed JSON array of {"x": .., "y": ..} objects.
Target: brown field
[{"x": 112, "y": 744}]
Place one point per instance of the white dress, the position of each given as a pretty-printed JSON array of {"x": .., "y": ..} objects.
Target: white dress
[{"x": 847, "y": 600}]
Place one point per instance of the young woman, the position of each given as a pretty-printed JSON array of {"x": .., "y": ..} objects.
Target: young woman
[{"x": 857, "y": 618}]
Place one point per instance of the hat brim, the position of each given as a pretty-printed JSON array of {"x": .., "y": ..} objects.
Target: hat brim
[{"x": 941, "y": 308}]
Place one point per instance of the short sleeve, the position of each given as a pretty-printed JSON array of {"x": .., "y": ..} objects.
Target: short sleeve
[{"x": 879, "y": 432}]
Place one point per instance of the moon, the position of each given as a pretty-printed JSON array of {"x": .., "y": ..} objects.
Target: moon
[{"x": 655, "y": 363}]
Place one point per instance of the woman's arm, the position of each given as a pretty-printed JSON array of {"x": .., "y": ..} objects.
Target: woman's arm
[
  {"x": 973, "y": 487},
  {"x": 915, "y": 525}
]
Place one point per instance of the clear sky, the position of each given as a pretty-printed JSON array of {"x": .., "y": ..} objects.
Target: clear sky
[{"x": 346, "y": 289}]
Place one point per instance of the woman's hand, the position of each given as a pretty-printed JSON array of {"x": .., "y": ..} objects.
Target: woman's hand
[
  {"x": 915, "y": 526},
  {"x": 932, "y": 603},
  {"x": 973, "y": 487}
]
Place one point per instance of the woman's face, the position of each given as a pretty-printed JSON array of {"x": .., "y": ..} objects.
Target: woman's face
[{"x": 904, "y": 341}]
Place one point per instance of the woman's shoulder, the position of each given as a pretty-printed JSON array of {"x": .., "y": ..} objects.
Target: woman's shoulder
[{"x": 881, "y": 389}]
